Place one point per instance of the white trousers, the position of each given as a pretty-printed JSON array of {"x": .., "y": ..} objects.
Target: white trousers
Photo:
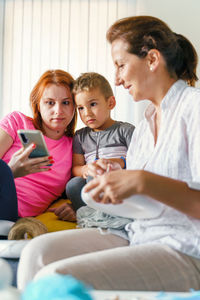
[{"x": 107, "y": 262}]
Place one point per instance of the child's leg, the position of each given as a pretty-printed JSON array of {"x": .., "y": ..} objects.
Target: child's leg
[
  {"x": 8, "y": 196},
  {"x": 73, "y": 191}
]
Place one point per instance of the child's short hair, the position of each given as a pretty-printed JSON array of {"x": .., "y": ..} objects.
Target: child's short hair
[{"x": 91, "y": 80}]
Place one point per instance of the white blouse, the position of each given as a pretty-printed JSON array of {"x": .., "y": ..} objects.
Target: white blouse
[{"x": 175, "y": 155}]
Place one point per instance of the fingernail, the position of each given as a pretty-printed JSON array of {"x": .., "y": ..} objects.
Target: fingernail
[
  {"x": 50, "y": 157},
  {"x": 34, "y": 146},
  {"x": 52, "y": 161}
]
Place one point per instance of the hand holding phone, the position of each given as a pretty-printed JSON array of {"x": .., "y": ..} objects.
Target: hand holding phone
[
  {"x": 28, "y": 137},
  {"x": 20, "y": 163}
]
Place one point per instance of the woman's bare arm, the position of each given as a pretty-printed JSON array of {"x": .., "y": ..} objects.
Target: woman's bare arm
[
  {"x": 5, "y": 141},
  {"x": 79, "y": 167}
]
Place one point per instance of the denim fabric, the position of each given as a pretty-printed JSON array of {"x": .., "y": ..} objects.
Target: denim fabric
[
  {"x": 8, "y": 196},
  {"x": 73, "y": 191}
]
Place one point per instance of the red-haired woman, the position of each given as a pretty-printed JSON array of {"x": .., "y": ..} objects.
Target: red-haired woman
[{"x": 37, "y": 184}]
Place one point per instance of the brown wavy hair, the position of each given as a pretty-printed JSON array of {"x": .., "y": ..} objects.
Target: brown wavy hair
[
  {"x": 58, "y": 77},
  {"x": 142, "y": 33}
]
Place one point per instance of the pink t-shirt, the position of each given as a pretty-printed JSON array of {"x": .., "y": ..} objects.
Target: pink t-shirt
[{"x": 35, "y": 192}]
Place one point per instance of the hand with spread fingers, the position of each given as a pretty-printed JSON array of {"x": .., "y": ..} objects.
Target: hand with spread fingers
[
  {"x": 102, "y": 166},
  {"x": 21, "y": 165},
  {"x": 115, "y": 186}
]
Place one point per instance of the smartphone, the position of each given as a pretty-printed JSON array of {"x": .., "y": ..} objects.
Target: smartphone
[{"x": 33, "y": 136}]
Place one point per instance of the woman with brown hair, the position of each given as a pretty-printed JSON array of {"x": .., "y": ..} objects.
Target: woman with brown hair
[
  {"x": 160, "y": 252},
  {"x": 37, "y": 183}
]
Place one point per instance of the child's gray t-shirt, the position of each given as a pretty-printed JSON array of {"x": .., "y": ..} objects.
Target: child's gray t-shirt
[{"x": 112, "y": 142}]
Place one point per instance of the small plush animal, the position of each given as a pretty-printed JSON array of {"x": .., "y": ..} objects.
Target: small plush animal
[{"x": 26, "y": 228}]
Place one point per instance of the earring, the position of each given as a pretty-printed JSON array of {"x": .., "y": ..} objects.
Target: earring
[{"x": 151, "y": 68}]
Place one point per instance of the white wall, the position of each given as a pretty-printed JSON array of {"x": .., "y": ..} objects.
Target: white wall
[
  {"x": 66, "y": 34},
  {"x": 183, "y": 16},
  {"x": 1, "y": 47},
  {"x": 70, "y": 34}
]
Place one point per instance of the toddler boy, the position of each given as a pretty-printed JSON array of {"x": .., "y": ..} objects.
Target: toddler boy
[{"x": 102, "y": 137}]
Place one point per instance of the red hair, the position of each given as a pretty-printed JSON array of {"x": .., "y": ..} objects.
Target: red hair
[{"x": 58, "y": 77}]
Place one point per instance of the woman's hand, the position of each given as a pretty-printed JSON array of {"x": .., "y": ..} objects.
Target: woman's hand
[
  {"x": 64, "y": 212},
  {"x": 115, "y": 186},
  {"x": 21, "y": 165},
  {"x": 101, "y": 166}
]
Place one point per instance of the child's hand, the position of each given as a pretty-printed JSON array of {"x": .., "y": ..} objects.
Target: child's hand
[
  {"x": 101, "y": 166},
  {"x": 64, "y": 212},
  {"x": 85, "y": 173}
]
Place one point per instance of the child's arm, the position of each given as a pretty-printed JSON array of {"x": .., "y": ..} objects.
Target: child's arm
[
  {"x": 79, "y": 167},
  {"x": 121, "y": 161},
  {"x": 102, "y": 166}
]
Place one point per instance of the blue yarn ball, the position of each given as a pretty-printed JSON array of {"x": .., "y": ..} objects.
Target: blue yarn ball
[{"x": 56, "y": 287}]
